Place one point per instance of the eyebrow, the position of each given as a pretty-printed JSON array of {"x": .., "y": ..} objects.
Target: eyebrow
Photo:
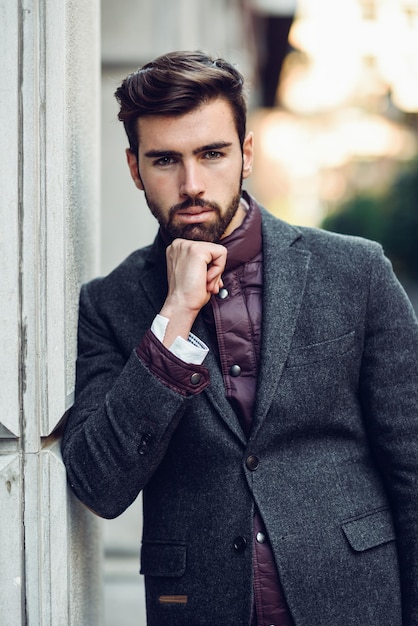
[{"x": 158, "y": 154}]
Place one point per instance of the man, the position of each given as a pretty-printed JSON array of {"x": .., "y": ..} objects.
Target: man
[{"x": 259, "y": 383}]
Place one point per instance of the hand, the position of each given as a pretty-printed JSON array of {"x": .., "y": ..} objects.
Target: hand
[{"x": 194, "y": 272}]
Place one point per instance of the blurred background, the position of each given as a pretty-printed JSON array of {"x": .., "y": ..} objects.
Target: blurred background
[{"x": 334, "y": 108}]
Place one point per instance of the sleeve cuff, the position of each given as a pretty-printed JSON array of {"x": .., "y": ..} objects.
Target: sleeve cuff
[
  {"x": 191, "y": 351},
  {"x": 184, "y": 378}
]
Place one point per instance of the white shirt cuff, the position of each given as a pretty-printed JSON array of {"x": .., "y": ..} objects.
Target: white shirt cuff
[{"x": 191, "y": 351}]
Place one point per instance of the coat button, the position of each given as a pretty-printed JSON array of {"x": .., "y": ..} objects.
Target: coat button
[
  {"x": 240, "y": 543},
  {"x": 252, "y": 462},
  {"x": 145, "y": 442},
  {"x": 235, "y": 371},
  {"x": 261, "y": 538},
  {"x": 223, "y": 293},
  {"x": 195, "y": 378}
]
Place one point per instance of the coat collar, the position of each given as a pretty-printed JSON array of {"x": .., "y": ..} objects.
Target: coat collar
[{"x": 244, "y": 243}]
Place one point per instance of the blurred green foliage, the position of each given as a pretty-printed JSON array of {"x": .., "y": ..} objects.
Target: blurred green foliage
[{"x": 390, "y": 218}]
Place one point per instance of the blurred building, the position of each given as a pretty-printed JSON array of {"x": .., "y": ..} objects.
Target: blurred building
[{"x": 346, "y": 120}]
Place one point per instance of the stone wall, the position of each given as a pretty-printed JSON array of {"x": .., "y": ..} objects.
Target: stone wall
[{"x": 49, "y": 115}]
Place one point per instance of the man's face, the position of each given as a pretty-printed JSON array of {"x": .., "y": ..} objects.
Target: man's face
[{"x": 191, "y": 169}]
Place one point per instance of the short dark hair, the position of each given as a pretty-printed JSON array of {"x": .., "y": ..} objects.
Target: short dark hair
[{"x": 177, "y": 83}]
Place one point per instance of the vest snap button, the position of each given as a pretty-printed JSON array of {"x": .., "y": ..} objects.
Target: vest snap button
[
  {"x": 223, "y": 293},
  {"x": 235, "y": 371}
]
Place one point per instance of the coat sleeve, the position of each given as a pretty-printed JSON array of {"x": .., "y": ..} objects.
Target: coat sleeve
[
  {"x": 389, "y": 394},
  {"x": 122, "y": 420}
]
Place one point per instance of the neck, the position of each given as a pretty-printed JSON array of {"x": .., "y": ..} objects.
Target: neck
[{"x": 237, "y": 220}]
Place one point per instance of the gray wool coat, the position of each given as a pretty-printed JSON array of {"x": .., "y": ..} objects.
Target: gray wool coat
[{"x": 335, "y": 432}]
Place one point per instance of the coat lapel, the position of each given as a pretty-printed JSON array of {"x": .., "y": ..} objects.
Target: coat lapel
[{"x": 285, "y": 273}]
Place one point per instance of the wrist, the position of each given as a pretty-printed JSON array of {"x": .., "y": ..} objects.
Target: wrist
[{"x": 179, "y": 324}]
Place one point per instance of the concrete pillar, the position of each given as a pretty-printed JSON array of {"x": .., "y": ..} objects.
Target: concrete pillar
[{"x": 49, "y": 116}]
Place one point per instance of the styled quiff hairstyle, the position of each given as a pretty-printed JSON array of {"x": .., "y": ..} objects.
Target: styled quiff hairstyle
[{"x": 177, "y": 83}]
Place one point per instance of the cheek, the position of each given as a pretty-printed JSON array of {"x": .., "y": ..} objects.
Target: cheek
[
  {"x": 225, "y": 181},
  {"x": 160, "y": 188}
]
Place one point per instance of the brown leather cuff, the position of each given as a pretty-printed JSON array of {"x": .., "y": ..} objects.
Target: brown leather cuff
[{"x": 184, "y": 378}]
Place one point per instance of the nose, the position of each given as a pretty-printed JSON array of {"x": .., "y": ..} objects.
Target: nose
[{"x": 192, "y": 183}]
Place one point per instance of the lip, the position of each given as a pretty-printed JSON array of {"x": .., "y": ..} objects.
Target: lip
[
  {"x": 193, "y": 210},
  {"x": 194, "y": 215}
]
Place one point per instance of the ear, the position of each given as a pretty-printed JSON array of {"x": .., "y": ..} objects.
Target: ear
[
  {"x": 133, "y": 168},
  {"x": 247, "y": 155}
]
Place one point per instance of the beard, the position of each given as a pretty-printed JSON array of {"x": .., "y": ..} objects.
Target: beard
[{"x": 209, "y": 231}]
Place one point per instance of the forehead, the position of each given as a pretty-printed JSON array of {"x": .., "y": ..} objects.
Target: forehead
[{"x": 211, "y": 122}]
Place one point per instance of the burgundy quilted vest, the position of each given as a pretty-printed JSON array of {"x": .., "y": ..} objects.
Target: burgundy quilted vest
[{"x": 235, "y": 316}]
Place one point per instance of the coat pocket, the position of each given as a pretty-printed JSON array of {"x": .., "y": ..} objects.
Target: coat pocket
[
  {"x": 163, "y": 559},
  {"x": 322, "y": 351},
  {"x": 369, "y": 531}
]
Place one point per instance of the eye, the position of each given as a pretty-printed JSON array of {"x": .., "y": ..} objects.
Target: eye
[
  {"x": 212, "y": 155},
  {"x": 164, "y": 161}
]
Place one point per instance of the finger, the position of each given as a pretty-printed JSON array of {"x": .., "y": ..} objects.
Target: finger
[
  {"x": 214, "y": 285},
  {"x": 214, "y": 271},
  {"x": 219, "y": 254}
]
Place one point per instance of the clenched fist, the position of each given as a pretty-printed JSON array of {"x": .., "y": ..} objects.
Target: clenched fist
[{"x": 194, "y": 272}]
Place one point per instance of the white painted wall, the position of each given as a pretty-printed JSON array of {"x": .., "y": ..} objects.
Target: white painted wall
[{"x": 49, "y": 116}]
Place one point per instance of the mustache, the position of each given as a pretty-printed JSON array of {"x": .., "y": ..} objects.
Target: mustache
[{"x": 187, "y": 204}]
